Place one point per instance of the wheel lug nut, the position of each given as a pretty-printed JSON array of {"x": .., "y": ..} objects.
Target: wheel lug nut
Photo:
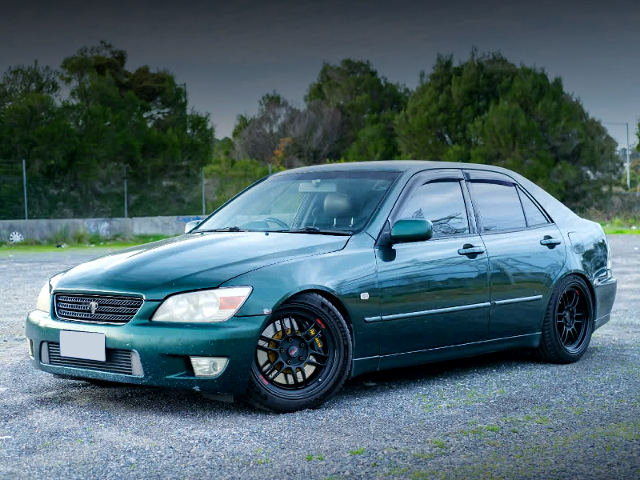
[
  {"x": 301, "y": 359},
  {"x": 302, "y": 345},
  {"x": 290, "y": 339},
  {"x": 288, "y": 362},
  {"x": 282, "y": 350}
]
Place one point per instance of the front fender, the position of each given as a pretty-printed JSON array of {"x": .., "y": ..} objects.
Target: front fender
[{"x": 344, "y": 274}]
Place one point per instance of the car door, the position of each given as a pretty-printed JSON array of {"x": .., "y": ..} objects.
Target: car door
[
  {"x": 525, "y": 248},
  {"x": 433, "y": 293}
]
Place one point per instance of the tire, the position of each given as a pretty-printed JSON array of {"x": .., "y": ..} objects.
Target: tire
[
  {"x": 303, "y": 356},
  {"x": 567, "y": 329}
]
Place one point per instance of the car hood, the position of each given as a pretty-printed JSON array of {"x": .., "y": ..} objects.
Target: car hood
[{"x": 191, "y": 262}]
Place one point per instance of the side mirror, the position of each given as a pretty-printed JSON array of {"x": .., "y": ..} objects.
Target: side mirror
[
  {"x": 191, "y": 225},
  {"x": 411, "y": 230}
]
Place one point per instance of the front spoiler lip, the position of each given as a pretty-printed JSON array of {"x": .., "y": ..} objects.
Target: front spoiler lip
[{"x": 163, "y": 350}]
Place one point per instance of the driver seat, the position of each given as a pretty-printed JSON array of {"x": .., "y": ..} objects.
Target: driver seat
[{"x": 338, "y": 211}]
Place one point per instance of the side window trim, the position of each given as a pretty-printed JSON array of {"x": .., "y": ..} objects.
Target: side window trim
[
  {"x": 522, "y": 191},
  {"x": 474, "y": 208},
  {"x": 472, "y": 175},
  {"x": 524, "y": 214},
  {"x": 415, "y": 182},
  {"x": 481, "y": 229},
  {"x": 472, "y": 215},
  {"x": 433, "y": 176}
]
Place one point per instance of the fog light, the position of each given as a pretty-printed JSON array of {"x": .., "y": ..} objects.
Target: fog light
[
  {"x": 208, "y": 366},
  {"x": 30, "y": 344}
]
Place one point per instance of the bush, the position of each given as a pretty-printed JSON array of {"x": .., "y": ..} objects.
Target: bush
[
  {"x": 80, "y": 236},
  {"x": 61, "y": 236},
  {"x": 226, "y": 177}
]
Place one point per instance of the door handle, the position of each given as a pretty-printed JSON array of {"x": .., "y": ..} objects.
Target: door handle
[
  {"x": 468, "y": 249},
  {"x": 550, "y": 242}
]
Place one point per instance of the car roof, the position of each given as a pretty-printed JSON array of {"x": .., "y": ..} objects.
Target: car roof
[
  {"x": 407, "y": 168},
  {"x": 410, "y": 166}
]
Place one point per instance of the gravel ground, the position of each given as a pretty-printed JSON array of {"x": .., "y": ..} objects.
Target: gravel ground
[{"x": 497, "y": 416}]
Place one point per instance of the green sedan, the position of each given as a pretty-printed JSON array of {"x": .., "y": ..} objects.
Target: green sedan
[{"x": 318, "y": 274}]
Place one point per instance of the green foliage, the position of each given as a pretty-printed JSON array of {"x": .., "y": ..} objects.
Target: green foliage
[
  {"x": 488, "y": 110},
  {"x": 365, "y": 100},
  {"x": 76, "y": 146},
  {"x": 81, "y": 126},
  {"x": 375, "y": 141},
  {"x": 227, "y": 177}
]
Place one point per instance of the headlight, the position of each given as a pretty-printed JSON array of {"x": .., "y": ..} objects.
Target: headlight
[
  {"x": 44, "y": 299},
  {"x": 204, "y": 306}
]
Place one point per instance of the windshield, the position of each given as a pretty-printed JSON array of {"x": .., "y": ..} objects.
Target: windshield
[{"x": 329, "y": 202}]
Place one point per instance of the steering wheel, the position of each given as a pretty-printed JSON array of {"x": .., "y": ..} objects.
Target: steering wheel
[{"x": 277, "y": 221}]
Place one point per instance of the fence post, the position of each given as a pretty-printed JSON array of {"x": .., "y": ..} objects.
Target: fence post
[
  {"x": 24, "y": 184},
  {"x": 126, "y": 212},
  {"x": 628, "y": 162},
  {"x": 204, "y": 208},
  {"x": 269, "y": 169}
]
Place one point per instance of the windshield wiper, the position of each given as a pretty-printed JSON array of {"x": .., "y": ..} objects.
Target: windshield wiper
[
  {"x": 225, "y": 229},
  {"x": 317, "y": 231}
]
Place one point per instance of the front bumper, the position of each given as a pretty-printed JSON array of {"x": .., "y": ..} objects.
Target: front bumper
[{"x": 161, "y": 350}]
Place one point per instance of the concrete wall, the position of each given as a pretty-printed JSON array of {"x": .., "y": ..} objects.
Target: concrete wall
[{"x": 105, "y": 227}]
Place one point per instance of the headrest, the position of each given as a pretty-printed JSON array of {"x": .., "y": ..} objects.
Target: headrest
[{"x": 337, "y": 205}]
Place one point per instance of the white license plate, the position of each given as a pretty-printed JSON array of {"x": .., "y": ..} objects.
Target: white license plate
[{"x": 89, "y": 346}]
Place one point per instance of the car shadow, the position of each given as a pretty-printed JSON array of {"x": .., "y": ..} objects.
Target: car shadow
[
  {"x": 461, "y": 366},
  {"x": 138, "y": 399}
]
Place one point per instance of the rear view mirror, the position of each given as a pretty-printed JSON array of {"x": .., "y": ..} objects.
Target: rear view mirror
[
  {"x": 191, "y": 225},
  {"x": 411, "y": 230},
  {"x": 317, "y": 186}
]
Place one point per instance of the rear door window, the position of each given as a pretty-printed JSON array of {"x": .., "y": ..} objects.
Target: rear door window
[
  {"x": 532, "y": 212},
  {"x": 499, "y": 206}
]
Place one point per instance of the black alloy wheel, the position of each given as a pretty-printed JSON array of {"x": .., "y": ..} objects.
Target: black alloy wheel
[
  {"x": 302, "y": 357},
  {"x": 568, "y": 323},
  {"x": 572, "y": 315}
]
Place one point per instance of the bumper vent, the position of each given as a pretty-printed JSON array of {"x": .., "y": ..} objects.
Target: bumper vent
[
  {"x": 96, "y": 309},
  {"x": 118, "y": 361}
]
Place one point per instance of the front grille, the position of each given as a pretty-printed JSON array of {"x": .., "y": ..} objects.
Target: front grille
[
  {"x": 118, "y": 361},
  {"x": 95, "y": 308}
]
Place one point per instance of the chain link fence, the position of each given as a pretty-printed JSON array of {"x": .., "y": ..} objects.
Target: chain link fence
[{"x": 112, "y": 191}]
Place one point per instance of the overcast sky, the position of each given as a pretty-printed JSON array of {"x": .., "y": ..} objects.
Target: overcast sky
[{"x": 229, "y": 53}]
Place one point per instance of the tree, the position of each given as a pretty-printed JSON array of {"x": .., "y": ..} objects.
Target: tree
[
  {"x": 315, "y": 133},
  {"x": 488, "y": 110},
  {"x": 20, "y": 81},
  {"x": 260, "y": 135},
  {"x": 364, "y": 100},
  {"x": 77, "y": 144},
  {"x": 32, "y": 123},
  {"x": 145, "y": 113},
  {"x": 281, "y": 133}
]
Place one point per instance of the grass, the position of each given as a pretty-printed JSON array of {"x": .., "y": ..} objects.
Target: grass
[
  {"x": 37, "y": 247},
  {"x": 359, "y": 451},
  {"x": 609, "y": 230},
  {"x": 619, "y": 225},
  {"x": 438, "y": 443}
]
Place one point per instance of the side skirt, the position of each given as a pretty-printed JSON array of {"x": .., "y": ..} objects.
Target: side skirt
[{"x": 418, "y": 357}]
